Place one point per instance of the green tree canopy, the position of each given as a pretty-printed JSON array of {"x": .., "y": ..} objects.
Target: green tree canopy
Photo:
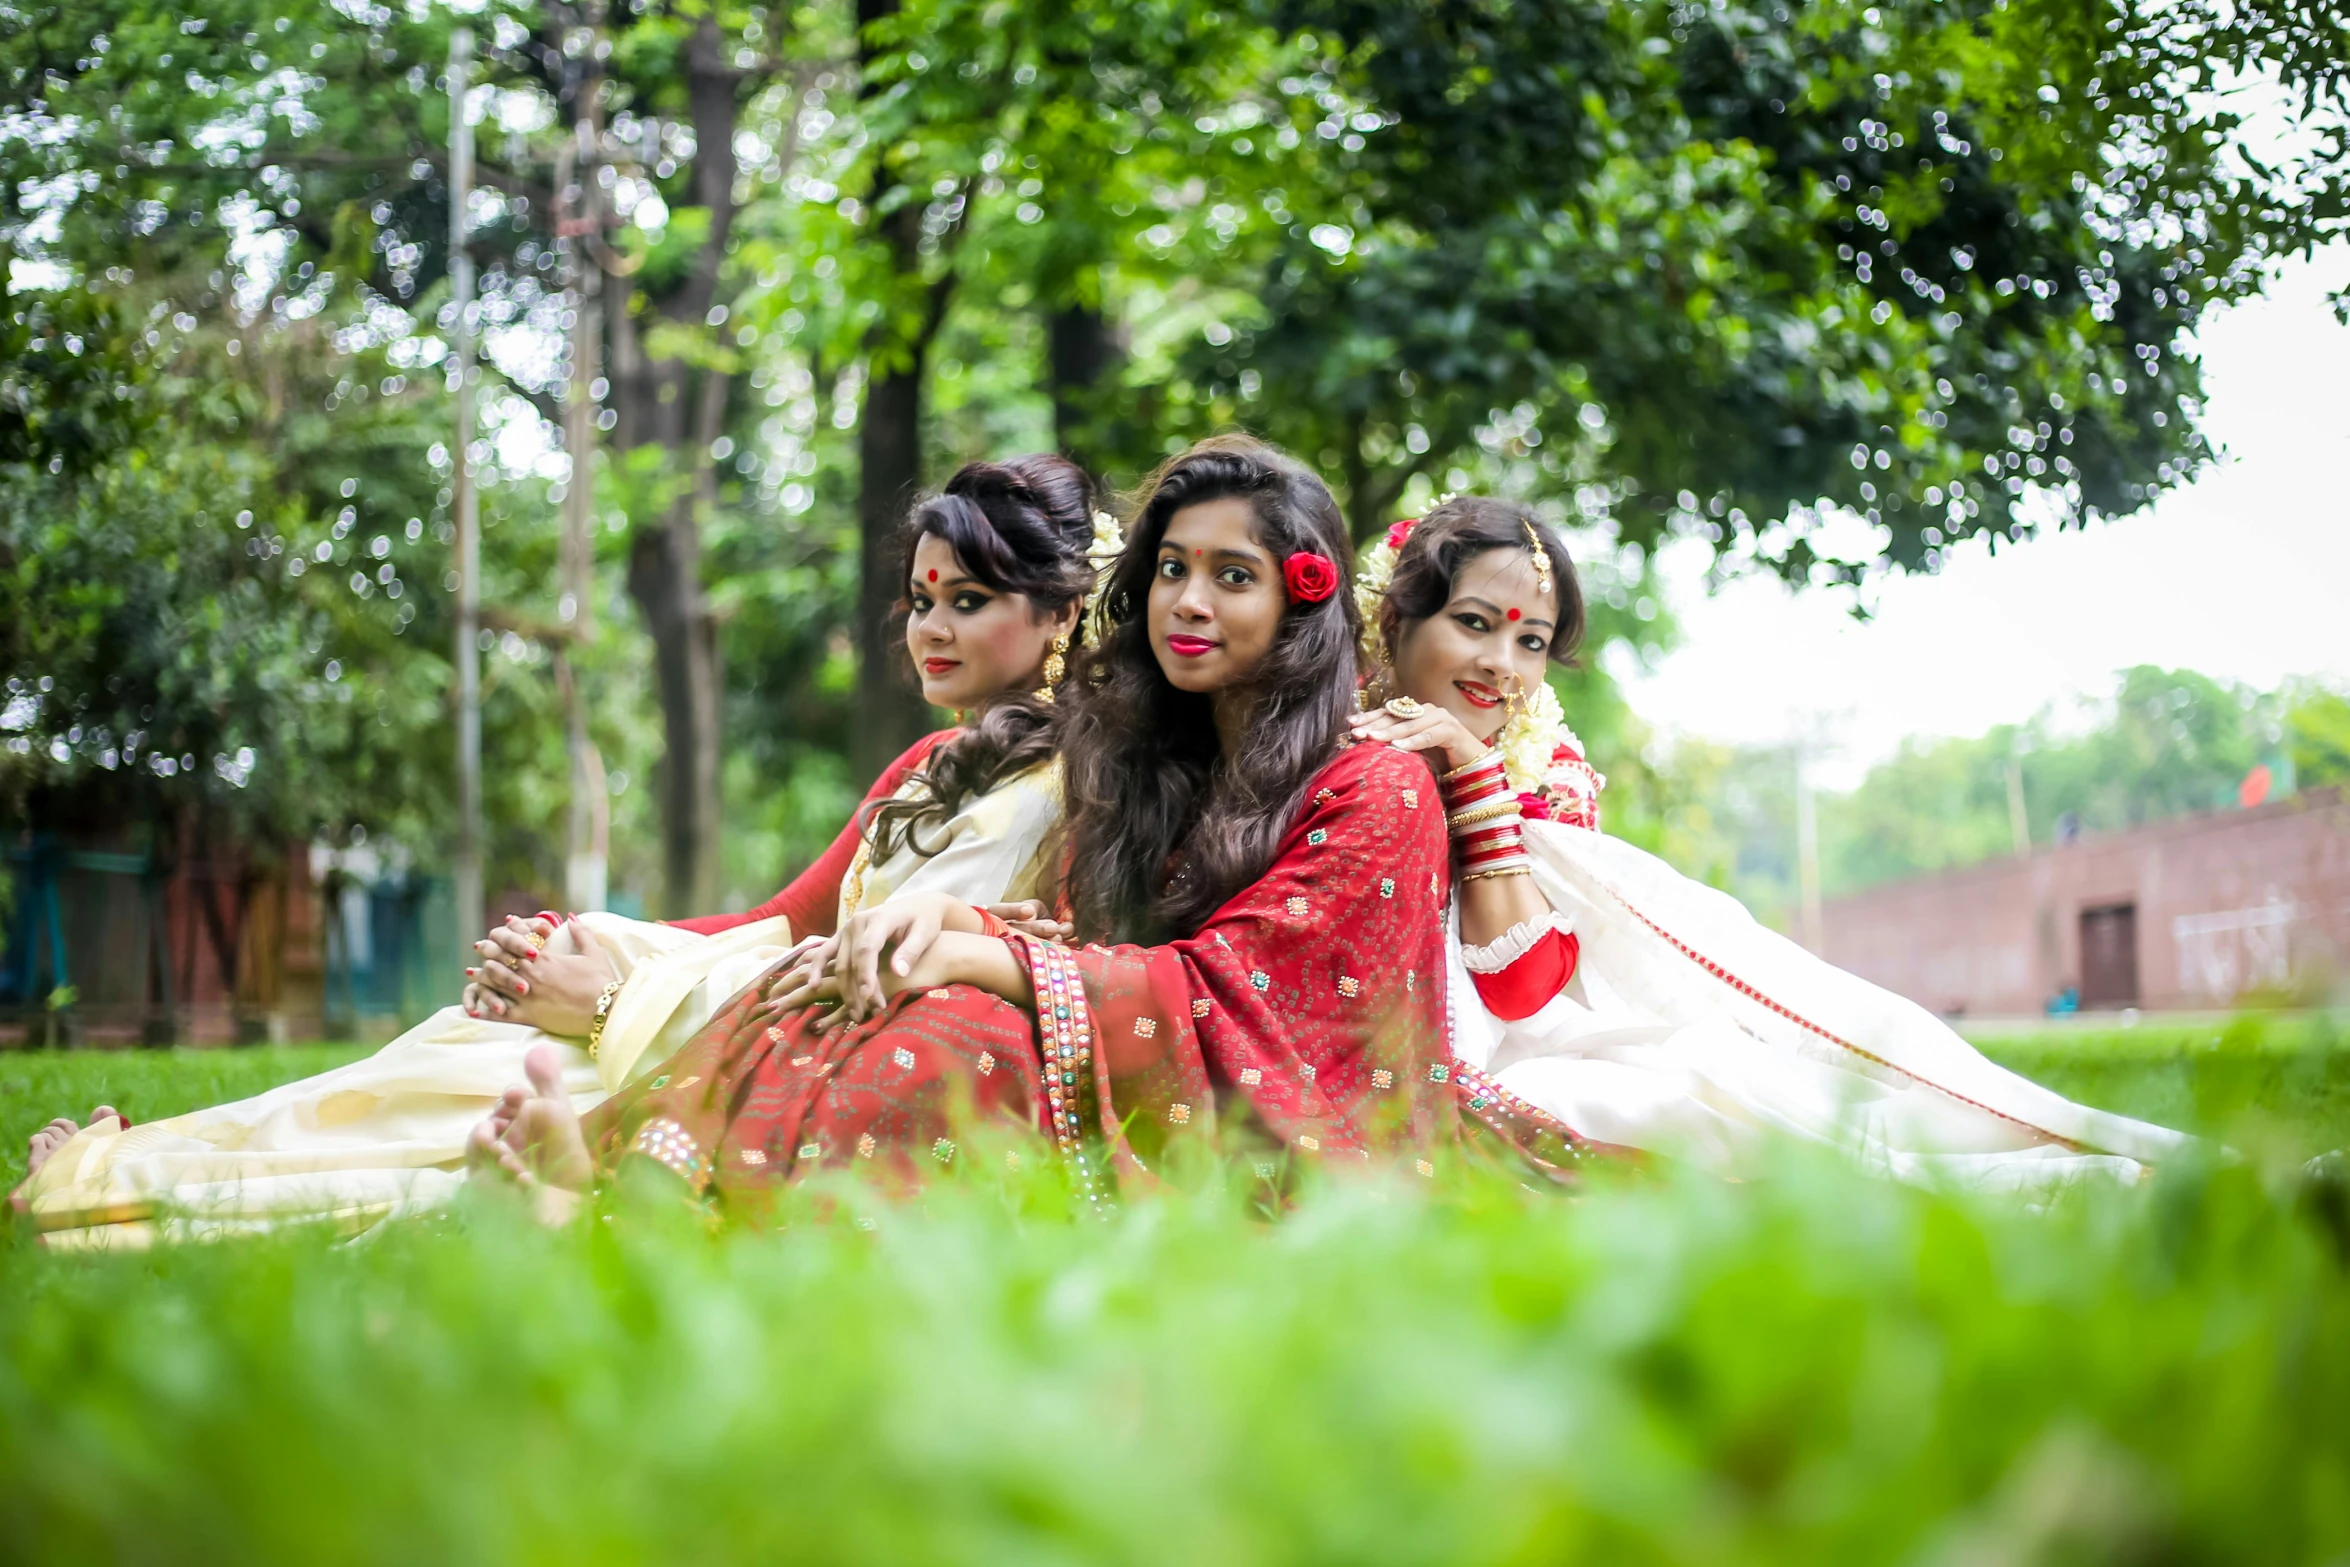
[{"x": 1726, "y": 272}]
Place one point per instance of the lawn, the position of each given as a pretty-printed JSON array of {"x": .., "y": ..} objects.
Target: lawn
[{"x": 1810, "y": 1368}]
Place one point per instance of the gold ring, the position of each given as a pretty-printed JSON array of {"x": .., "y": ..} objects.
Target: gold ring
[
  {"x": 538, "y": 943},
  {"x": 1406, "y": 706}
]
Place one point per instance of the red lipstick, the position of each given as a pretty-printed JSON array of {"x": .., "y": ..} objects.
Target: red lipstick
[
  {"x": 939, "y": 666},
  {"x": 1189, "y": 647},
  {"x": 1478, "y": 695}
]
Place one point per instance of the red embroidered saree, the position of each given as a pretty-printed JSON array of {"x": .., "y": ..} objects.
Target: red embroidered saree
[{"x": 1311, "y": 1004}]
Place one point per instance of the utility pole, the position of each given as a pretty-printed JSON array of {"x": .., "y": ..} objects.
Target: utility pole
[
  {"x": 2018, "y": 823},
  {"x": 1807, "y": 849},
  {"x": 466, "y": 503},
  {"x": 587, "y": 837}
]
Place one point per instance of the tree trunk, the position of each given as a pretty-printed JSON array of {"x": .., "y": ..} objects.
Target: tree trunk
[
  {"x": 1081, "y": 352},
  {"x": 664, "y": 577},
  {"x": 665, "y": 557},
  {"x": 891, "y": 714}
]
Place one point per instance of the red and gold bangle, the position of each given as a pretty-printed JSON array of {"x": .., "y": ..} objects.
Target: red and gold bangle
[
  {"x": 1475, "y": 784},
  {"x": 1484, "y": 811},
  {"x": 1491, "y": 848},
  {"x": 1489, "y": 762},
  {"x": 1487, "y": 864},
  {"x": 1493, "y": 839},
  {"x": 1064, "y": 1034},
  {"x": 1486, "y": 820}
]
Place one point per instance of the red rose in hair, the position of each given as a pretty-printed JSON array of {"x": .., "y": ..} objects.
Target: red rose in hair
[
  {"x": 1310, "y": 577},
  {"x": 1400, "y": 532}
]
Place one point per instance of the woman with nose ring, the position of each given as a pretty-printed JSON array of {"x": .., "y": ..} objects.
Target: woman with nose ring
[
  {"x": 996, "y": 571},
  {"x": 1594, "y": 983}
]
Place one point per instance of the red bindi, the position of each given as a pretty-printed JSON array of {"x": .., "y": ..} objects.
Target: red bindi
[
  {"x": 1513, "y": 614},
  {"x": 934, "y": 578}
]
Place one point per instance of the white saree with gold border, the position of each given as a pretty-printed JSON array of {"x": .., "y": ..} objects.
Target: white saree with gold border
[{"x": 386, "y": 1135}]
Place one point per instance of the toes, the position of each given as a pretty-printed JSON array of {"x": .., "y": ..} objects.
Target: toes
[{"x": 545, "y": 1070}]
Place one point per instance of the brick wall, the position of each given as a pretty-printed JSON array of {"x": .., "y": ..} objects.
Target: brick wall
[{"x": 2222, "y": 908}]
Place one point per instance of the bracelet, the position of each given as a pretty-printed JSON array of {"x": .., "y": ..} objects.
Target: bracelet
[
  {"x": 1481, "y": 784},
  {"x": 1490, "y": 758},
  {"x": 604, "y": 1000},
  {"x": 1479, "y": 780},
  {"x": 1481, "y": 813},
  {"x": 1499, "y": 871}
]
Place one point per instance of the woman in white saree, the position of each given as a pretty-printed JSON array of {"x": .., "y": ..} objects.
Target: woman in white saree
[
  {"x": 997, "y": 571},
  {"x": 1598, "y": 985}
]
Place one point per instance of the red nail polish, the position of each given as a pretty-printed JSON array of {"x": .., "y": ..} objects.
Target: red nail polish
[{"x": 522, "y": 985}]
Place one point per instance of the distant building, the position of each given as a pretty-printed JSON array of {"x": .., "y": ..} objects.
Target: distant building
[
  {"x": 114, "y": 940},
  {"x": 2205, "y": 911}
]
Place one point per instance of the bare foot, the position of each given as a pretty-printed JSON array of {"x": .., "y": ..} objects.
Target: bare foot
[
  {"x": 59, "y": 1132},
  {"x": 532, "y": 1135},
  {"x": 485, "y": 1146}
]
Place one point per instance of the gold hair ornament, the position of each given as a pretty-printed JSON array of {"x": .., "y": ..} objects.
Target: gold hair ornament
[{"x": 1541, "y": 560}]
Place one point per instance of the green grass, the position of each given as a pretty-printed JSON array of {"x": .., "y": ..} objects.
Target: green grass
[
  {"x": 36, "y": 1086},
  {"x": 2280, "y": 1081},
  {"x": 1811, "y": 1368}
]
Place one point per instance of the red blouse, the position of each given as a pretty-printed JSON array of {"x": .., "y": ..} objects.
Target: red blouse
[
  {"x": 1569, "y": 796},
  {"x": 1526, "y": 985},
  {"x": 812, "y": 901}
]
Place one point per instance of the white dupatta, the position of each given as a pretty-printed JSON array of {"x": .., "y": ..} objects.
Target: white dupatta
[{"x": 1691, "y": 1028}]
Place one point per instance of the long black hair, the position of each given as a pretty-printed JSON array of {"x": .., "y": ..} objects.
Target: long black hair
[
  {"x": 1144, "y": 776},
  {"x": 1454, "y": 534},
  {"x": 1018, "y": 526}
]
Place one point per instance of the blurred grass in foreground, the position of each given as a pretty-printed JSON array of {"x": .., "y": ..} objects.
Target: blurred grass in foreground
[{"x": 1808, "y": 1369}]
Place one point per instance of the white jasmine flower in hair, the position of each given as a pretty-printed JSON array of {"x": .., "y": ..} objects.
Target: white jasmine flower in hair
[{"x": 1109, "y": 542}]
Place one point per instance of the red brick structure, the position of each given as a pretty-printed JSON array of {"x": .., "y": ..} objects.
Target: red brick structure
[{"x": 2205, "y": 911}]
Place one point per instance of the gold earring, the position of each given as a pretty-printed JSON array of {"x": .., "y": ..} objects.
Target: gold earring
[{"x": 1056, "y": 665}]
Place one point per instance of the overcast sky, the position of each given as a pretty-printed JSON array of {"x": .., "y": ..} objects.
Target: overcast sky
[{"x": 2245, "y": 574}]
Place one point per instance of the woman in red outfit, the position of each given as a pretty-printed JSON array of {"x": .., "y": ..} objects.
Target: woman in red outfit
[
  {"x": 1262, "y": 906},
  {"x": 996, "y": 572}
]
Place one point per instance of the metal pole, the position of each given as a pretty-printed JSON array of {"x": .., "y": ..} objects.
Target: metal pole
[{"x": 470, "y": 920}]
